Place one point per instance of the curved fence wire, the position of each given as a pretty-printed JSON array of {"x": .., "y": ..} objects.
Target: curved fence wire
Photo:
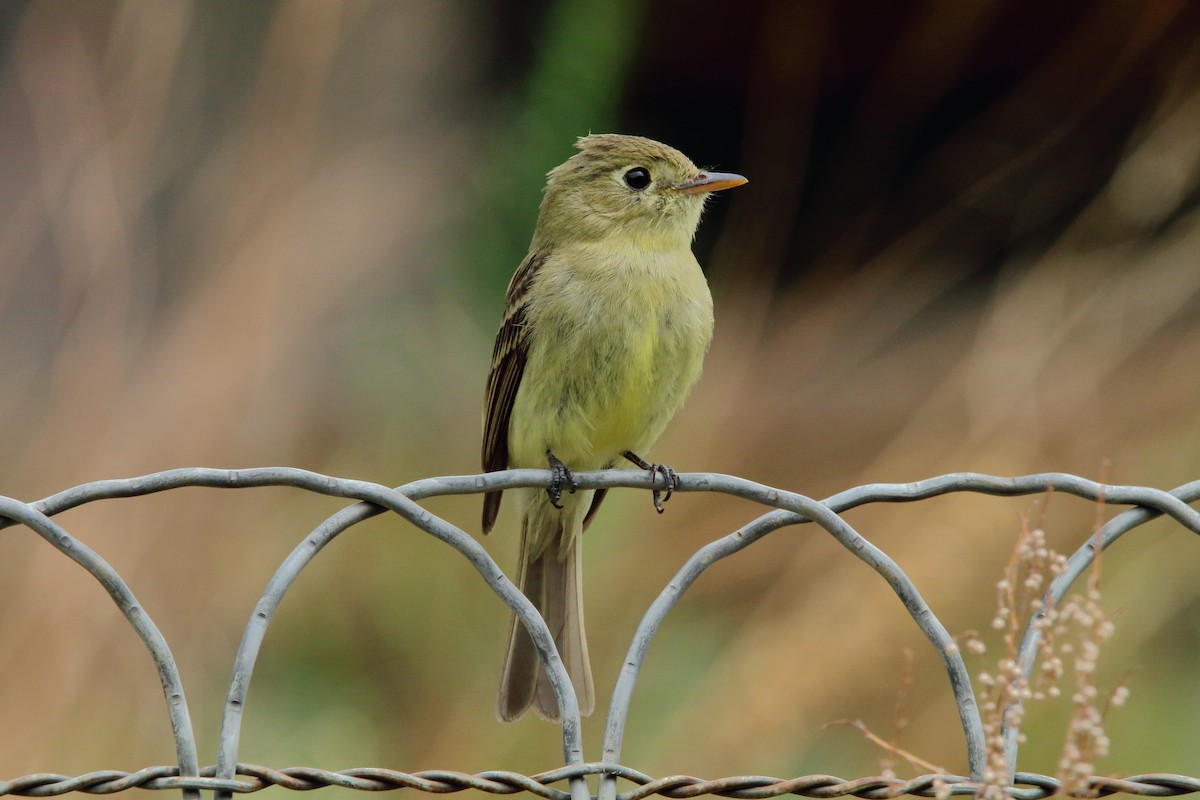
[{"x": 228, "y": 776}]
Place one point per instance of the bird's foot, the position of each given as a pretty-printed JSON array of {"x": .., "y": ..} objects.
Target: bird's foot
[
  {"x": 670, "y": 477},
  {"x": 561, "y": 474}
]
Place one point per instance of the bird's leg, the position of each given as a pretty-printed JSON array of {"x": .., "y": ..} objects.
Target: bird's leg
[
  {"x": 669, "y": 476},
  {"x": 561, "y": 474}
]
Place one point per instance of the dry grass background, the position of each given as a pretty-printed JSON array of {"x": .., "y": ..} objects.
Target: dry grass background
[{"x": 278, "y": 233}]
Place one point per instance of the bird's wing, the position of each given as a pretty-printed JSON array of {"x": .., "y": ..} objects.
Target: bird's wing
[
  {"x": 508, "y": 365},
  {"x": 597, "y": 499}
]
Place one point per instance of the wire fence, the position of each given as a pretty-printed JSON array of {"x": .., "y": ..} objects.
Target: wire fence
[{"x": 991, "y": 755}]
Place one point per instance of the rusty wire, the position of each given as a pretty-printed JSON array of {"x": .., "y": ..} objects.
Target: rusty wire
[{"x": 788, "y": 509}]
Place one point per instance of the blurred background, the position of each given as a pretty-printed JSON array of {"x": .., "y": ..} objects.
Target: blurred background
[{"x": 243, "y": 234}]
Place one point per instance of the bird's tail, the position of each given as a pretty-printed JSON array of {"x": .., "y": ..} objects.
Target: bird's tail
[{"x": 551, "y": 576}]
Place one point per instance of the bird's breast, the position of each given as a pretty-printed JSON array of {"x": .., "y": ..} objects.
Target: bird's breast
[{"x": 614, "y": 350}]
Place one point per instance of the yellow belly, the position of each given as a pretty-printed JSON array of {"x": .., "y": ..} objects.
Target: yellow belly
[{"x": 607, "y": 367}]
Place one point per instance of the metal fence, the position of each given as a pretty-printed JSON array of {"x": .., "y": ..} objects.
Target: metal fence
[{"x": 992, "y": 755}]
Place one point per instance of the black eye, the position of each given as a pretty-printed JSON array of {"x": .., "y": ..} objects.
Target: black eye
[{"x": 637, "y": 178}]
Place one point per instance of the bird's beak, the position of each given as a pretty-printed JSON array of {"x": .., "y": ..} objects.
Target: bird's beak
[{"x": 711, "y": 182}]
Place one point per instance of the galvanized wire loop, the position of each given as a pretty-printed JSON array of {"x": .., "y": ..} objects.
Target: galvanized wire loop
[{"x": 789, "y": 509}]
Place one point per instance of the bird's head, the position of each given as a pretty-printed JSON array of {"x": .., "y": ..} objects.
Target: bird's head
[{"x": 627, "y": 186}]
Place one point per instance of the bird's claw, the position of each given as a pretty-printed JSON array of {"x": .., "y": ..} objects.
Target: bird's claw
[
  {"x": 560, "y": 474},
  {"x": 670, "y": 478}
]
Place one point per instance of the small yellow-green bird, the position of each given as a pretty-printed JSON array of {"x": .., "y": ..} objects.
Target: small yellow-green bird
[{"x": 605, "y": 328}]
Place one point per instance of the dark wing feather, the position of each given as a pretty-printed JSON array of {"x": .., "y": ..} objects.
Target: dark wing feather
[
  {"x": 597, "y": 499},
  {"x": 508, "y": 365}
]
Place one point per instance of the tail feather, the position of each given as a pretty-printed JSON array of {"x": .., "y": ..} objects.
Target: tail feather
[{"x": 551, "y": 576}]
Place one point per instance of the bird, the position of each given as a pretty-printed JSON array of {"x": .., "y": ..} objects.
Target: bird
[{"x": 606, "y": 324}]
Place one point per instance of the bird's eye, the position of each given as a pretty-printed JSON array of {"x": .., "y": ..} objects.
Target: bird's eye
[{"x": 637, "y": 178}]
